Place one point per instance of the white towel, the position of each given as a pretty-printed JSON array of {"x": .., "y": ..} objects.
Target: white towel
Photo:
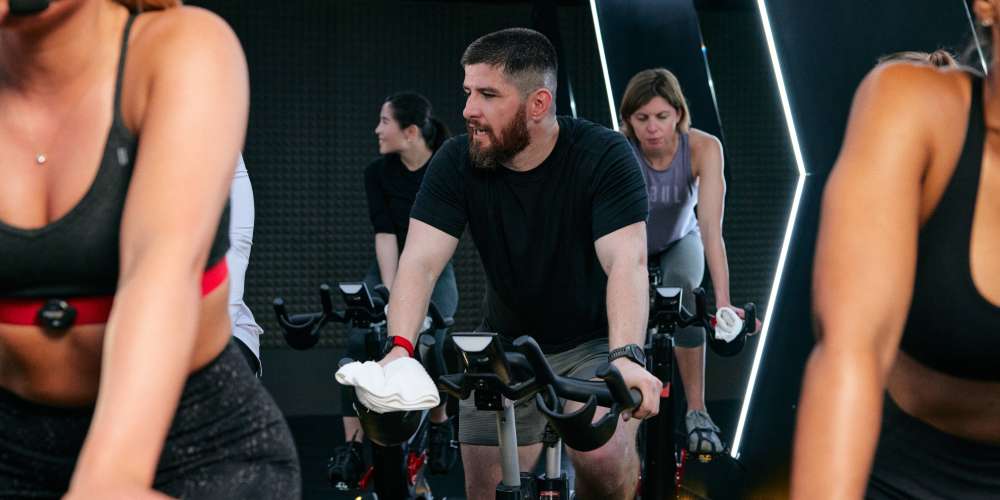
[
  {"x": 402, "y": 385},
  {"x": 728, "y": 324}
]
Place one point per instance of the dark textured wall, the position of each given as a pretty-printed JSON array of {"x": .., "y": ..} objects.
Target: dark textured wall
[{"x": 319, "y": 71}]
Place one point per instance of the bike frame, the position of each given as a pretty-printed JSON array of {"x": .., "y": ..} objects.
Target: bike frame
[{"x": 659, "y": 471}]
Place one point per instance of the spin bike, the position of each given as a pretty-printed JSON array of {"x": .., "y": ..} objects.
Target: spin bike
[
  {"x": 662, "y": 458},
  {"x": 399, "y": 440}
]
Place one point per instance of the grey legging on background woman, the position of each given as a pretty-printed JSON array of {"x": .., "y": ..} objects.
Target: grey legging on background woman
[{"x": 682, "y": 265}]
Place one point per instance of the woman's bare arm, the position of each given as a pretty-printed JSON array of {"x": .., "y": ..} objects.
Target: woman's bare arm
[
  {"x": 191, "y": 132},
  {"x": 711, "y": 207},
  {"x": 863, "y": 278}
]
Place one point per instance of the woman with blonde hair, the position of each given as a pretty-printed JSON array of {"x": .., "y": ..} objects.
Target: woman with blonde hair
[
  {"x": 118, "y": 378},
  {"x": 683, "y": 170}
]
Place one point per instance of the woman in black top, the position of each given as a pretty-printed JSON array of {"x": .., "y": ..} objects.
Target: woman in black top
[
  {"x": 408, "y": 135},
  {"x": 906, "y": 295},
  {"x": 119, "y": 133}
]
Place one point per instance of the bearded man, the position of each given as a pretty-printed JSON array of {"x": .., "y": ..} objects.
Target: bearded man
[{"x": 556, "y": 207}]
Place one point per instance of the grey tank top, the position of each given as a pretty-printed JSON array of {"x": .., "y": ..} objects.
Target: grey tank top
[{"x": 672, "y": 194}]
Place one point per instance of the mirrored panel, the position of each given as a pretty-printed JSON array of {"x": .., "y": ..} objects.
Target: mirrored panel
[{"x": 819, "y": 54}]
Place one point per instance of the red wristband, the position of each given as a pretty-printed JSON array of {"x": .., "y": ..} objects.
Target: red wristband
[{"x": 404, "y": 343}]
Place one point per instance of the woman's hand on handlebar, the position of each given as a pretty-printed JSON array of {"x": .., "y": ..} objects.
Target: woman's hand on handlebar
[
  {"x": 743, "y": 314},
  {"x": 637, "y": 377}
]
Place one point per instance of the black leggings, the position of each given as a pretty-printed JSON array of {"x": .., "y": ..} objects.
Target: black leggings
[
  {"x": 915, "y": 460},
  {"x": 228, "y": 440}
]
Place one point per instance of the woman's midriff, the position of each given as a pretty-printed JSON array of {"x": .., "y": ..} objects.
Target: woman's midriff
[
  {"x": 969, "y": 409},
  {"x": 63, "y": 368}
]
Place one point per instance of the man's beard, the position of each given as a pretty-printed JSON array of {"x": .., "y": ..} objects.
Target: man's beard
[{"x": 513, "y": 139}]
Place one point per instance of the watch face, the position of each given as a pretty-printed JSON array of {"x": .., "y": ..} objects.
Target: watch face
[{"x": 636, "y": 353}]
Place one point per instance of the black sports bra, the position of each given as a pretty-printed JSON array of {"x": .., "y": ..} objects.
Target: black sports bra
[
  {"x": 951, "y": 327},
  {"x": 77, "y": 254}
]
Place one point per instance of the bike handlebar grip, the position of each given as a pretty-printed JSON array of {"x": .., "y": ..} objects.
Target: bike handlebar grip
[
  {"x": 581, "y": 390},
  {"x": 635, "y": 396},
  {"x": 380, "y": 297},
  {"x": 625, "y": 397},
  {"x": 324, "y": 297},
  {"x": 750, "y": 317},
  {"x": 279, "y": 308},
  {"x": 438, "y": 322}
]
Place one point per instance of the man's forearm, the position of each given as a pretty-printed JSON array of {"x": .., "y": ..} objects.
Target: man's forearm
[
  {"x": 387, "y": 257},
  {"x": 408, "y": 300},
  {"x": 628, "y": 303}
]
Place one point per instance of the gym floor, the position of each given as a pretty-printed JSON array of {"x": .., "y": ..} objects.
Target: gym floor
[{"x": 317, "y": 435}]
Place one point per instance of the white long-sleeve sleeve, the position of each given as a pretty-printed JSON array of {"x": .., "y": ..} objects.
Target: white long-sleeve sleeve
[{"x": 241, "y": 215}]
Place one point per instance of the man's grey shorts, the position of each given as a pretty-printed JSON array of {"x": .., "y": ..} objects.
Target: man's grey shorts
[{"x": 480, "y": 427}]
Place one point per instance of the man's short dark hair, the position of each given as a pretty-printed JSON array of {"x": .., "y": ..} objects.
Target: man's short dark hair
[{"x": 526, "y": 56}]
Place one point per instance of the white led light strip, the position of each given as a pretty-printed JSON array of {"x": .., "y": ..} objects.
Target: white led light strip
[
  {"x": 604, "y": 63},
  {"x": 975, "y": 38},
  {"x": 773, "y": 299}
]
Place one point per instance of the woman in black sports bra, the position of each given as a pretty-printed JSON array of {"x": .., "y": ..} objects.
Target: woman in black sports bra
[
  {"x": 907, "y": 295},
  {"x": 119, "y": 134}
]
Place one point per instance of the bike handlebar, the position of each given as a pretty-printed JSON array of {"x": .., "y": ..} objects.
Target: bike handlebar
[
  {"x": 667, "y": 312},
  {"x": 364, "y": 308},
  {"x": 525, "y": 372},
  {"x": 607, "y": 393}
]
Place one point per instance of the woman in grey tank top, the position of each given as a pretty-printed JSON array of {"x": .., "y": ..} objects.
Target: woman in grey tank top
[{"x": 681, "y": 165}]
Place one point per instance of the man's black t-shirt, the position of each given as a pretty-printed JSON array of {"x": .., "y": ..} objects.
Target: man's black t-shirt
[
  {"x": 391, "y": 189},
  {"x": 535, "y": 230}
]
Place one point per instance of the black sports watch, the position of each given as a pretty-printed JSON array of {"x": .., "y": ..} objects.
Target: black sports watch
[{"x": 631, "y": 351}]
